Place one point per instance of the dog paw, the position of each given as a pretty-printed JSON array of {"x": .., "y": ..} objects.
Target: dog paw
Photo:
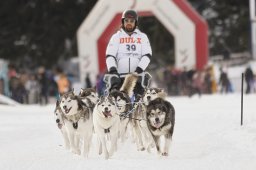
[
  {"x": 164, "y": 154},
  {"x": 76, "y": 151},
  {"x": 111, "y": 153},
  {"x": 67, "y": 147},
  {"x": 106, "y": 156},
  {"x": 148, "y": 150},
  {"x": 85, "y": 155},
  {"x": 142, "y": 149}
]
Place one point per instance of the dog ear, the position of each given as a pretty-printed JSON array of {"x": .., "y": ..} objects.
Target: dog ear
[
  {"x": 73, "y": 91},
  {"x": 60, "y": 95},
  {"x": 57, "y": 103},
  {"x": 145, "y": 91},
  {"x": 90, "y": 104},
  {"x": 81, "y": 91},
  {"x": 80, "y": 103},
  {"x": 101, "y": 98},
  {"x": 168, "y": 105}
]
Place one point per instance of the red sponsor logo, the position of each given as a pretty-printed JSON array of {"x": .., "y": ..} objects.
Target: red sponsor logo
[{"x": 130, "y": 40}]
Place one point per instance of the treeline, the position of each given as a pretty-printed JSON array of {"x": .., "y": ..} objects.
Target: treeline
[{"x": 36, "y": 32}]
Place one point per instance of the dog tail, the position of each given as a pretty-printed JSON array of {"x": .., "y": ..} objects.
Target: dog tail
[
  {"x": 162, "y": 94},
  {"x": 129, "y": 84}
]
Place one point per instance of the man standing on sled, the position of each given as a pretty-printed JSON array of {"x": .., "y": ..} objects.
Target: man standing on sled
[{"x": 128, "y": 51}]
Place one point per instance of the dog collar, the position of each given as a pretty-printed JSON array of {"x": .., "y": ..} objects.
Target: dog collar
[{"x": 107, "y": 130}]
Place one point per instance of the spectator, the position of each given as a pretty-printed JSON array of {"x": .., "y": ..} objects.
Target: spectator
[
  {"x": 248, "y": 79},
  {"x": 18, "y": 91},
  {"x": 88, "y": 83},
  {"x": 43, "y": 82},
  {"x": 63, "y": 83},
  {"x": 208, "y": 81},
  {"x": 33, "y": 90},
  {"x": 197, "y": 83},
  {"x": 224, "y": 82}
]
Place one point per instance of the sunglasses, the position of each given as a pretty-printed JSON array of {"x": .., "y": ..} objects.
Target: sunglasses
[{"x": 129, "y": 20}]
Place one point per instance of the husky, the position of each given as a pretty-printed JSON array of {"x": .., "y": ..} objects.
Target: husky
[
  {"x": 106, "y": 115},
  {"x": 106, "y": 122},
  {"x": 153, "y": 93},
  {"x": 89, "y": 93},
  {"x": 161, "y": 120},
  {"x": 143, "y": 137},
  {"x": 59, "y": 119},
  {"x": 122, "y": 98},
  {"x": 78, "y": 121}
]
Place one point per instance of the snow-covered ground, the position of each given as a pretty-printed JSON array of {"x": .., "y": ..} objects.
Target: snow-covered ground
[
  {"x": 207, "y": 135},
  {"x": 7, "y": 101}
]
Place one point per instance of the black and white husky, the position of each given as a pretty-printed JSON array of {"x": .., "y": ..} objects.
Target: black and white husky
[
  {"x": 78, "y": 122},
  {"x": 153, "y": 93},
  {"x": 89, "y": 93},
  {"x": 161, "y": 120}
]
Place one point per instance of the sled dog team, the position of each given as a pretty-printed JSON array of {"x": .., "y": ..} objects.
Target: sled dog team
[{"x": 80, "y": 116}]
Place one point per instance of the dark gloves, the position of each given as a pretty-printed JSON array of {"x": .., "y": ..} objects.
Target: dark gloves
[
  {"x": 138, "y": 70},
  {"x": 114, "y": 81},
  {"x": 113, "y": 70}
]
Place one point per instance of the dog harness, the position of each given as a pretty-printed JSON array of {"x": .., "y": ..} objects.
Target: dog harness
[{"x": 82, "y": 114}]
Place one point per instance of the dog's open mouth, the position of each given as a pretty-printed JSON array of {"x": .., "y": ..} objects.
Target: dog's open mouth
[
  {"x": 107, "y": 113},
  {"x": 157, "y": 124},
  {"x": 67, "y": 110}
]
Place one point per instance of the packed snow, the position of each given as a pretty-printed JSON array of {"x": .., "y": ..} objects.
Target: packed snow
[{"x": 207, "y": 135}]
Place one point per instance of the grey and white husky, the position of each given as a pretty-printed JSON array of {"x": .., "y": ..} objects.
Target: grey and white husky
[
  {"x": 161, "y": 120},
  {"x": 78, "y": 121},
  {"x": 153, "y": 93},
  {"x": 122, "y": 98},
  {"x": 89, "y": 93}
]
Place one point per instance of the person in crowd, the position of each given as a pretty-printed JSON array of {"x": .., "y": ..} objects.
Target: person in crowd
[
  {"x": 88, "y": 83},
  {"x": 33, "y": 90},
  {"x": 208, "y": 81},
  {"x": 43, "y": 82},
  {"x": 11, "y": 71},
  {"x": 197, "y": 83},
  {"x": 224, "y": 82},
  {"x": 63, "y": 83},
  {"x": 190, "y": 74},
  {"x": 249, "y": 79},
  {"x": 18, "y": 91}
]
